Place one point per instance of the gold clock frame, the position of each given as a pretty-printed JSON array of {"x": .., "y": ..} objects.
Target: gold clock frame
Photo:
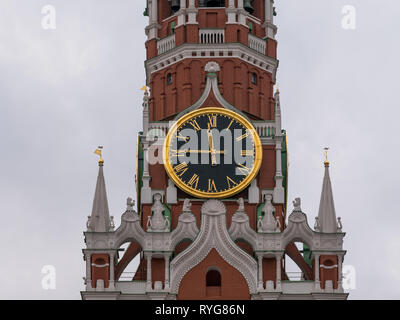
[{"x": 217, "y": 195}]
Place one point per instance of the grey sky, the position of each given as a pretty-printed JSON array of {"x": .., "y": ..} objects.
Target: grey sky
[{"x": 65, "y": 91}]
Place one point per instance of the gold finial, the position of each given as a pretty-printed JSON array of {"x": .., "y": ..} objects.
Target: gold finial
[
  {"x": 326, "y": 162},
  {"x": 144, "y": 88},
  {"x": 98, "y": 151},
  {"x": 277, "y": 88}
]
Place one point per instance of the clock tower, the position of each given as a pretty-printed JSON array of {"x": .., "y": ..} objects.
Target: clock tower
[{"x": 211, "y": 219}]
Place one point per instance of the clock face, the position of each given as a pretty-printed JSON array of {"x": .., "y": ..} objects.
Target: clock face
[{"x": 212, "y": 153}]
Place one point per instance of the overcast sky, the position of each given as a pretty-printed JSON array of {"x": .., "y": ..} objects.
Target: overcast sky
[{"x": 65, "y": 91}]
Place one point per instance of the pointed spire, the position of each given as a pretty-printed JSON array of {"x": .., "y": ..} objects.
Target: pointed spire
[
  {"x": 277, "y": 97},
  {"x": 278, "y": 115},
  {"x": 327, "y": 214},
  {"x": 100, "y": 218}
]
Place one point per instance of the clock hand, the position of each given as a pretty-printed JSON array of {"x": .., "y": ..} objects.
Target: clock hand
[
  {"x": 197, "y": 151},
  {"x": 212, "y": 150}
]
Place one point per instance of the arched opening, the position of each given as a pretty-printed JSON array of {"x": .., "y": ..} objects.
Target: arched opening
[
  {"x": 100, "y": 270},
  {"x": 130, "y": 265},
  {"x": 193, "y": 285},
  {"x": 297, "y": 262},
  {"x": 254, "y": 78},
  {"x": 213, "y": 278},
  {"x": 213, "y": 282},
  {"x": 169, "y": 78},
  {"x": 329, "y": 271}
]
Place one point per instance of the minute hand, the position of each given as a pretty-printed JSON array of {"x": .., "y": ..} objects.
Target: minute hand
[
  {"x": 212, "y": 150},
  {"x": 198, "y": 151}
]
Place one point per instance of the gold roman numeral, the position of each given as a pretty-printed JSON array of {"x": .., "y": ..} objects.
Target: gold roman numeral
[
  {"x": 247, "y": 153},
  {"x": 195, "y": 125},
  {"x": 244, "y": 169},
  {"x": 177, "y": 153},
  {"x": 181, "y": 137},
  {"x": 180, "y": 169},
  {"x": 211, "y": 186},
  {"x": 230, "y": 181},
  {"x": 212, "y": 121},
  {"x": 194, "y": 181},
  {"x": 243, "y": 136},
  {"x": 230, "y": 125}
]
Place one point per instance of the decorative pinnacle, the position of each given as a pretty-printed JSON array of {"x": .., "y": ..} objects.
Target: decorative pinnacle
[
  {"x": 326, "y": 162},
  {"x": 98, "y": 151},
  {"x": 277, "y": 88}
]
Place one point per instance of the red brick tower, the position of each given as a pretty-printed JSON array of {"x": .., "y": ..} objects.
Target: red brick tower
[{"x": 201, "y": 232}]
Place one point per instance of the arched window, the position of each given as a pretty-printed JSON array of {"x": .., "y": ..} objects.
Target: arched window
[
  {"x": 213, "y": 278},
  {"x": 169, "y": 78},
  {"x": 254, "y": 78},
  {"x": 213, "y": 282}
]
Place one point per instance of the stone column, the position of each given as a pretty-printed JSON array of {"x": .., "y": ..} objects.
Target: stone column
[
  {"x": 112, "y": 279},
  {"x": 279, "y": 191},
  {"x": 241, "y": 13},
  {"x": 317, "y": 281},
  {"x": 268, "y": 11},
  {"x": 166, "y": 284},
  {"x": 88, "y": 271},
  {"x": 146, "y": 190},
  {"x": 153, "y": 11},
  {"x": 192, "y": 12},
  {"x": 340, "y": 275},
  {"x": 182, "y": 13},
  {"x": 148, "y": 281},
  {"x": 278, "y": 286},
  {"x": 260, "y": 272},
  {"x": 231, "y": 12},
  {"x": 152, "y": 28}
]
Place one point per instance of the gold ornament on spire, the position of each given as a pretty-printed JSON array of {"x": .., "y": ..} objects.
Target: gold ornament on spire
[
  {"x": 144, "y": 88},
  {"x": 98, "y": 151},
  {"x": 326, "y": 162}
]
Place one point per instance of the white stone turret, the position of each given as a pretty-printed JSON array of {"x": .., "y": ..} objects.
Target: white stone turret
[
  {"x": 99, "y": 221},
  {"x": 146, "y": 113},
  {"x": 327, "y": 214}
]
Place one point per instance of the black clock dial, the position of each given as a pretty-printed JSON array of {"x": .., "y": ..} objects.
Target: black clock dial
[{"x": 212, "y": 153}]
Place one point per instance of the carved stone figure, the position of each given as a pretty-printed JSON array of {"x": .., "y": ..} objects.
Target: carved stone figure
[
  {"x": 317, "y": 226},
  {"x": 88, "y": 222},
  {"x": 297, "y": 204},
  {"x": 268, "y": 223},
  {"x": 240, "y": 202},
  {"x": 129, "y": 204},
  {"x": 158, "y": 222},
  {"x": 112, "y": 224},
  {"x": 339, "y": 224},
  {"x": 186, "y": 205}
]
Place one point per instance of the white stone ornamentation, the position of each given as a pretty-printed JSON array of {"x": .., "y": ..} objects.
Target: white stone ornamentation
[
  {"x": 158, "y": 222},
  {"x": 212, "y": 66},
  {"x": 268, "y": 222}
]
